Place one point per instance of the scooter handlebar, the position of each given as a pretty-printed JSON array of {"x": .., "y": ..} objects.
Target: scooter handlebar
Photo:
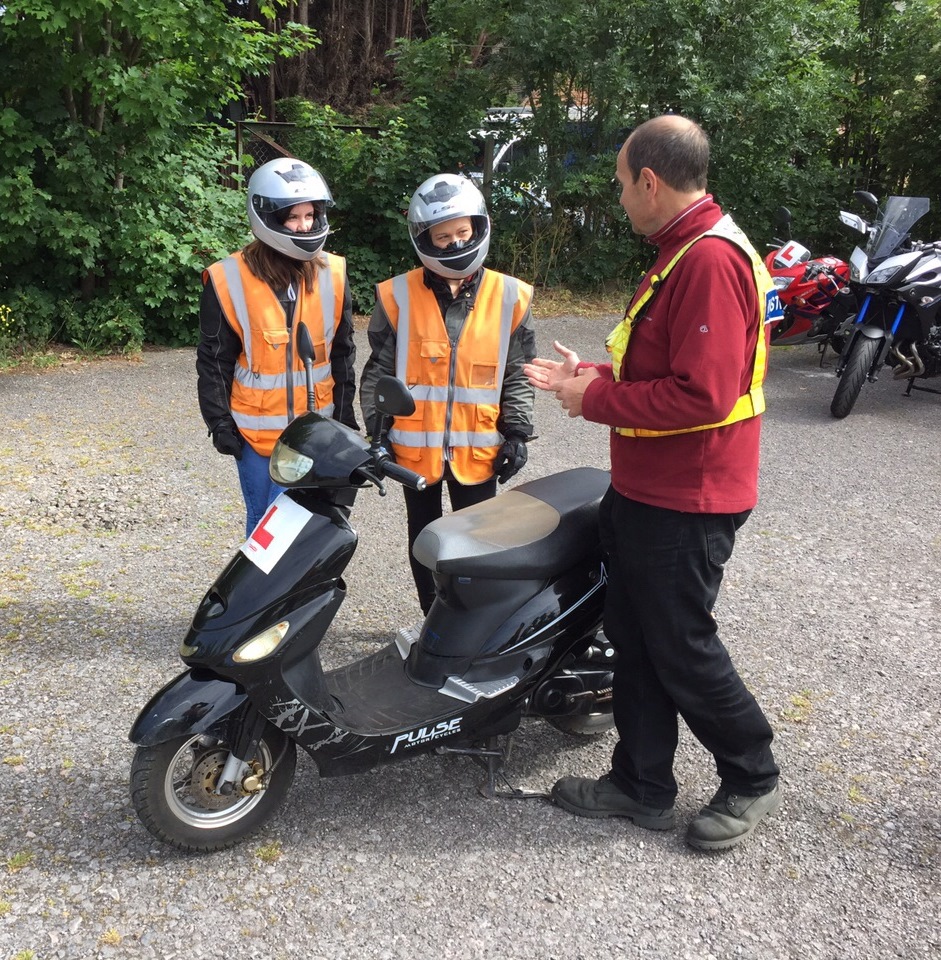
[{"x": 408, "y": 478}]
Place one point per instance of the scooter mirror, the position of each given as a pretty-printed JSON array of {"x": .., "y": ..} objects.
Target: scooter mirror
[
  {"x": 393, "y": 398},
  {"x": 305, "y": 346},
  {"x": 305, "y": 350}
]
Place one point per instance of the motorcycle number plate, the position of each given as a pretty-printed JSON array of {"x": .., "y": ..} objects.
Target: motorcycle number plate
[
  {"x": 774, "y": 309},
  {"x": 275, "y": 533}
]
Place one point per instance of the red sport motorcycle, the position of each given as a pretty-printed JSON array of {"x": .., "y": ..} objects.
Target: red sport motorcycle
[{"x": 814, "y": 292}]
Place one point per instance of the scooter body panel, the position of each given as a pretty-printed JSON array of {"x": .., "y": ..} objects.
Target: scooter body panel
[
  {"x": 246, "y": 599},
  {"x": 523, "y": 633}
]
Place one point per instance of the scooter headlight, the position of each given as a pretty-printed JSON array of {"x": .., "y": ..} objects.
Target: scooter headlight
[
  {"x": 262, "y": 645},
  {"x": 782, "y": 283},
  {"x": 288, "y": 465}
]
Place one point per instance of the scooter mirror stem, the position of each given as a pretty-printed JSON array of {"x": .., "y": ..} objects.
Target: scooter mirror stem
[{"x": 305, "y": 350}]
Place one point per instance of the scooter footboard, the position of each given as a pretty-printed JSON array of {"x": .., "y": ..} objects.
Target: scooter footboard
[{"x": 187, "y": 705}]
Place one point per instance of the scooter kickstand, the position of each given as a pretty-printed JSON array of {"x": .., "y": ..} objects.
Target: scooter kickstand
[{"x": 492, "y": 758}]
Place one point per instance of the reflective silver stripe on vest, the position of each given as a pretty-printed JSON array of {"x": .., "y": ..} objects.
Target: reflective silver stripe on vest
[
  {"x": 461, "y": 394},
  {"x": 276, "y": 422},
  {"x": 246, "y": 422},
  {"x": 511, "y": 293},
  {"x": 400, "y": 295},
  {"x": 416, "y": 438},
  {"x": 278, "y": 381},
  {"x": 233, "y": 279},
  {"x": 328, "y": 303}
]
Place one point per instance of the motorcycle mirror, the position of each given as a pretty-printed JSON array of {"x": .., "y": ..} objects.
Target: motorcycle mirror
[
  {"x": 854, "y": 221},
  {"x": 305, "y": 350},
  {"x": 393, "y": 398},
  {"x": 867, "y": 198},
  {"x": 783, "y": 216}
]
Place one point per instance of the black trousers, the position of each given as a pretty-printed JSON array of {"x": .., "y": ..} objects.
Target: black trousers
[
  {"x": 422, "y": 507},
  {"x": 664, "y": 571}
]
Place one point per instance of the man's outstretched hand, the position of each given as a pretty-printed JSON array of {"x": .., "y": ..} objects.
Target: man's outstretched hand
[
  {"x": 548, "y": 374},
  {"x": 562, "y": 377}
]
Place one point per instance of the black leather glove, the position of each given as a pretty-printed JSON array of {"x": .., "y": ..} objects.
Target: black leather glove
[
  {"x": 227, "y": 439},
  {"x": 510, "y": 460}
]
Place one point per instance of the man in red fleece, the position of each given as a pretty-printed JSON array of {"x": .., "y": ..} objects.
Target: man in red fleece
[{"x": 683, "y": 397}]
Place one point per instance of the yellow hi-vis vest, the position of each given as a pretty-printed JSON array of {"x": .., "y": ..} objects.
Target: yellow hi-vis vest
[
  {"x": 750, "y": 404},
  {"x": 270, "y": 387},
  {"x": 457, "y": 392}
]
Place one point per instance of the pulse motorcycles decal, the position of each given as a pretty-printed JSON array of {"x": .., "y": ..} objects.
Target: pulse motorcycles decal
[{"x": 424, "y": 734}]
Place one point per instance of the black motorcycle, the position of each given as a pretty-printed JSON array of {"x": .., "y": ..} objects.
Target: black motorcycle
[
  {"x": 897, "y": 282},
  {"x": 513, "y": 632}
]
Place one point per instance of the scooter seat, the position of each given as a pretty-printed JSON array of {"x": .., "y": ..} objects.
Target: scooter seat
[{"x": 535, "y": 530}]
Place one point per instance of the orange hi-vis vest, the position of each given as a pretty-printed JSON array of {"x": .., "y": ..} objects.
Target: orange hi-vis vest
[
  {"x": 457, "y": 391},
  {"x": 270, "y": 387},
  {"x": 750, "y": 404}
]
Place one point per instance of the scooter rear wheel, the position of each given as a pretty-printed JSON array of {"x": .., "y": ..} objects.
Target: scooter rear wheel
[
  {"x": 587, "y": 725},
  {"x": 172, "y": 790}
]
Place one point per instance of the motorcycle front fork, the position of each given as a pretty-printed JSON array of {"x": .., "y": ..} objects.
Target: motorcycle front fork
[{"x": 247, "y": 733}]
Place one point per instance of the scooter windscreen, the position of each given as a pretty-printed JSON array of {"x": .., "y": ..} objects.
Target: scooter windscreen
[{"x": 314, "y": 451}]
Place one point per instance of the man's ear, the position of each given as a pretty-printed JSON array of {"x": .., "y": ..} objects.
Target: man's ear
[{"x": 649, "y": 178}]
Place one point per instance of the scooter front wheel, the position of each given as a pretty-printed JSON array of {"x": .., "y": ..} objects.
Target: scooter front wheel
[{"x": 173, "y": 784}]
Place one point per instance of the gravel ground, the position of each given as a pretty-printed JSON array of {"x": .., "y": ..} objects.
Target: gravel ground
[{"x": 116, "y": 515}]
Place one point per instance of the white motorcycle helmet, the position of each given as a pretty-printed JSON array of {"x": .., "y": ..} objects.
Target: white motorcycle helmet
[
  {"x": 273, "y": 189},
  {"x": 440, "y": 198}
]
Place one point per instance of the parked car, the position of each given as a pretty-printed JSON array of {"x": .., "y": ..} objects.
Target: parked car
[{"x": 507, "y": 159}]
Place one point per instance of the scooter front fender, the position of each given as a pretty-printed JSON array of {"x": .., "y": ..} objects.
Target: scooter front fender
[{"x": 186, "y": 706}]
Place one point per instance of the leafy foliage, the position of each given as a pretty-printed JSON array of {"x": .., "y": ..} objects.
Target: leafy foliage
[
  {"x": 117, "y": 188},
  {"x": 110, "y": 184}
]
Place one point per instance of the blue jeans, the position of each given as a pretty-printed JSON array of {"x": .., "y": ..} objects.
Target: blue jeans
[
  {"x": 664, "y": 572},
  {"x": 258, "y": 489}
]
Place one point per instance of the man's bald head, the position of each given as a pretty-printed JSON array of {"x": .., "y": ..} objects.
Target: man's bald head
[{"x": 674, "y": 148}]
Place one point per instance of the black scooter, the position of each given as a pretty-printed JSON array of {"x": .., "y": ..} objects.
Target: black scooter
[{"x": 513, "y": 631}]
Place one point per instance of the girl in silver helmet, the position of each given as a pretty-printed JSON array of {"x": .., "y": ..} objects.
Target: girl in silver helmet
[{"x": 458, "y": 334}]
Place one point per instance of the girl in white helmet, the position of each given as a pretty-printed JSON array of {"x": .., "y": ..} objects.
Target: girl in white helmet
[{"x": 250, "y": 380}]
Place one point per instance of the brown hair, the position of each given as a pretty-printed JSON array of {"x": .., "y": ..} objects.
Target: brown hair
[
  {"x": 676, "y": 149},
  {"x": 277, "y": 270}
]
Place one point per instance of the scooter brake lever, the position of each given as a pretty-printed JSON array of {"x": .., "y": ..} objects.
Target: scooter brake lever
[{"x": 369, "y": 476}]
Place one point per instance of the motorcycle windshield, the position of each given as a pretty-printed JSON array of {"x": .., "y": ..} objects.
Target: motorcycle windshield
[{"x": 890, "y": 232}]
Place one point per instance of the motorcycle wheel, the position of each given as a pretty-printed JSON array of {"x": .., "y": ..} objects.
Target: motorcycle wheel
[
  {"x": 862, "y": 354},
  {"x": 172, "y": 784},
  {"x": 588, "y": 725}
]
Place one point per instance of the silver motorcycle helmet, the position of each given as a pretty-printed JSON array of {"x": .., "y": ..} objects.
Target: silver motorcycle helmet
[
  {"x": 441, "y": 198},
  {"x": 273, "y": 189}
]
